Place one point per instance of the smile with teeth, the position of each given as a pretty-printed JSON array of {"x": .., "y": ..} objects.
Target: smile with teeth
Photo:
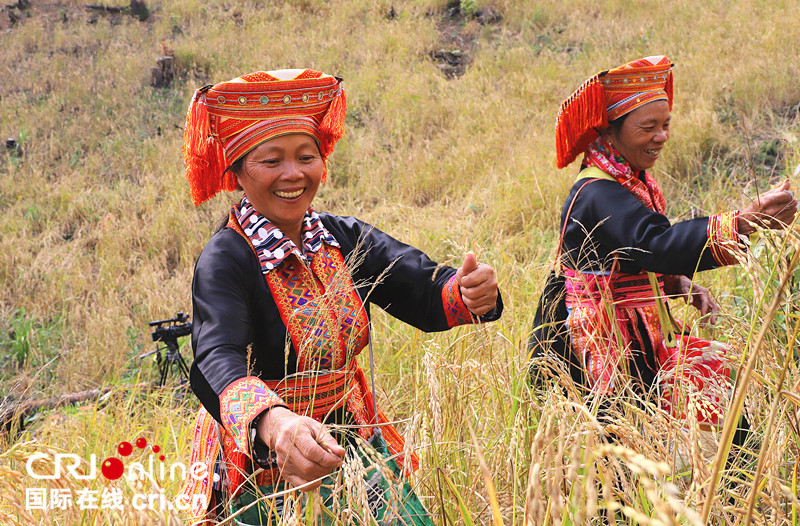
[
  {"x": 654, "y": 153},
  {"x": 290, "y": 195}
]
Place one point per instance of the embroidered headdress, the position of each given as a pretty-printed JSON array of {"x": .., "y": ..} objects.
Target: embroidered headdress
[
  {"x": 227, "y": 120},
  {"x": 606, "y": 96}
]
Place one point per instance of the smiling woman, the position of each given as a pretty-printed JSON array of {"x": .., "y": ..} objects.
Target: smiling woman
[
  {"x": 281, "y": 178},
  {"x": 281, "y": 297},
  {"x": 640, "y": 135},
  {"x": 619, "y": 255}
]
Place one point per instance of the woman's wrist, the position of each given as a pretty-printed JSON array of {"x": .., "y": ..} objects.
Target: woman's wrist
[
  {"x": 744, "y": 224},
  {"x": 265, "y": 424},
  {"x": 670, "y": 284}
]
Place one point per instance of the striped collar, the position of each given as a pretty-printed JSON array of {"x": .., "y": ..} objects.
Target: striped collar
[{"x": 273, "y": 246}]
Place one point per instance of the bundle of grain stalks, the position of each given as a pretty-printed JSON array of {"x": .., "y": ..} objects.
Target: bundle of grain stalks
[{"x": 640, "y": 464}]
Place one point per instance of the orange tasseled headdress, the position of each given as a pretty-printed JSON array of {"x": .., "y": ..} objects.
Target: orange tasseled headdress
[
  {"x": 608, "y": 96},
  {"x": 227, "y": 120}
]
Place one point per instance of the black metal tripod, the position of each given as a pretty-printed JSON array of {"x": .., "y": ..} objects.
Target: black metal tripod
[{"x": 168, "y": 332}]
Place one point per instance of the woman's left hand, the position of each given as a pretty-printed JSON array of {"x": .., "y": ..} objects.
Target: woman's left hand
[
  {"x": 478, "y": 285},
  {"x": 698, "y": 296}
]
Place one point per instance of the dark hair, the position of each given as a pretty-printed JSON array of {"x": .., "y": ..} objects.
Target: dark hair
[
  {"x": 615, "y": 125},
  {"x": 236, "y": 167},
  {"x": 618, "y": 122}
]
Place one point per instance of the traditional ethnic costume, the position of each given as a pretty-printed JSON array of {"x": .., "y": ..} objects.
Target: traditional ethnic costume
[
  {"x": 603, "y": 309},
  {"x": 279, "y": 325}
]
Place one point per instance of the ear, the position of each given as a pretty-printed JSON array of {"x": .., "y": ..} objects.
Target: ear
[
  {"x": 231, "y": 172},
  {"x": 608, "y": 134}
]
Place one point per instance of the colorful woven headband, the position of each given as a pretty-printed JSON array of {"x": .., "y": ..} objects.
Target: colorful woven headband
[
  {"x": 227, "y": 120},
  {"x": 608, "y": 96}
]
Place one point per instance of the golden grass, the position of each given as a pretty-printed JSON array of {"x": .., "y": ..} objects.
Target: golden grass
[{"x": 99, "y": 236}]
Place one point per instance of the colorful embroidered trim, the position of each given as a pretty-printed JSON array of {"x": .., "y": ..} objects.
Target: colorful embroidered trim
[
  {"x": 270, "y": 244},
  {"x": 621, "y": 290},
  {"x": 268, "y": 97},
  {"x": 605, "y": 157},
  {"x": 205, "y": 449},
  {"x": 323, "y": 314},
  {"x": 240, "y": 403},
  {"x": 723, "y": 237},
  {"x": 455, "y": 311},
  {"x": 241, "y": 143},
  {"x": 636, "y": 84},
  {"x": 315, "y": 395}
]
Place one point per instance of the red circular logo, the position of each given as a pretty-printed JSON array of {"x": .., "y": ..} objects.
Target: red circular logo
[
  {"x": 125, "y": 448},
  {"x": 112, "y": 468}
]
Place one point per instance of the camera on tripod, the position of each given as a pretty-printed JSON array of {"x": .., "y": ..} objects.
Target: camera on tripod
[{"x": 168, "y": 332}]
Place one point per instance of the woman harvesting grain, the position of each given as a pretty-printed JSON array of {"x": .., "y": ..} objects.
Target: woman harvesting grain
[
  {"x": 619, "y": 255},
  {"x": 281, "y": 299}
]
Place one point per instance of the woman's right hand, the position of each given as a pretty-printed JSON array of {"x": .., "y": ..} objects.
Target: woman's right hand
[
  {"x": 695, "y": 295},
  {"x": 305, "y": 451},
  {"x": 773, "y": 209}
]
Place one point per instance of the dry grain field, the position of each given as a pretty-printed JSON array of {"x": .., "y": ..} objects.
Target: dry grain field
[{"x": 449, "y": 147}]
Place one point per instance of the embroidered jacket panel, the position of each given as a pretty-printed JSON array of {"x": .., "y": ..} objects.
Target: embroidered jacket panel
[{"x": 233, "y": 309}]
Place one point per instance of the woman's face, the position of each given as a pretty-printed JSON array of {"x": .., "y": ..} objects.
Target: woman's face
[
  {"x": 642, "y": 135},
  {"x": 280, "y": 178}
]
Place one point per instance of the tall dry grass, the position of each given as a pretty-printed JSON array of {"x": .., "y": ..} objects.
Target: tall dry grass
[{"x": 99, "y": 236}]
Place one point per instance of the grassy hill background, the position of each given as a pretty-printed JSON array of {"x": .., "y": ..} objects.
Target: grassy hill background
[{"x": 449, "y": 147}]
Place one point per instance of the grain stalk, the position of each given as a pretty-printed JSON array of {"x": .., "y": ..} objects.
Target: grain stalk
[{"x": 743, "y": 381}]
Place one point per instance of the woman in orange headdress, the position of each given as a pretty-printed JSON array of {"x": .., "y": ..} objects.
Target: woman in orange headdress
[
  {"x": 619, "y": 255},
  {"x": 281, "y": 297}
]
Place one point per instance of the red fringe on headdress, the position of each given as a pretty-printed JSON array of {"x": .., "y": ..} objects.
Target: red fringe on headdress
[
  {"x": 578, "y": 120},
  {"x": 331, "y": 129},
  {"x": 203, "y": 154}
]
